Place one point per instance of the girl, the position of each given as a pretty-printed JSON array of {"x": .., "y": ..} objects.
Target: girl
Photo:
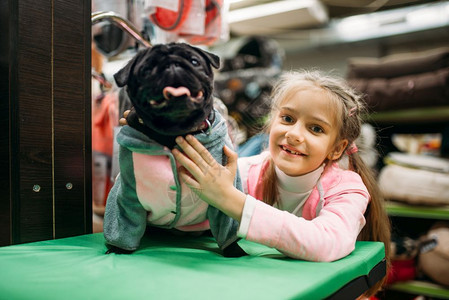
[{"x": 310, "y": 208}]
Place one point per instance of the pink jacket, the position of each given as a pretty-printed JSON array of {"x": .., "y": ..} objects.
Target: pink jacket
[{"x": 332, "y": 218}]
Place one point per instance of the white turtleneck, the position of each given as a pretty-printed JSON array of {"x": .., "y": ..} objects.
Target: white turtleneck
[
  {"x": 294, "y": 190},
  {"x": 293, "y": 193}
]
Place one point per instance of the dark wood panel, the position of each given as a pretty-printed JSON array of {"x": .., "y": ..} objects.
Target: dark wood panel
[
  {"x": 45, "y": 151},
  {"x": 72, "y": 98},
  {"x": 34, "y": 121},
  {"x": 5, "y": 203}
]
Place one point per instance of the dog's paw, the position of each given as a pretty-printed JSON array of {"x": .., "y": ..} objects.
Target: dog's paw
[
  {"x": 117, "y": 250},
  {"x": 234, "y": 250}
]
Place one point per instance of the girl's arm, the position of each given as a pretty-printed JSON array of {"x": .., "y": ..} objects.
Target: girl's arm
[
  {"x": 211, "y": 181},
  {"x": 328, "y": 237}
]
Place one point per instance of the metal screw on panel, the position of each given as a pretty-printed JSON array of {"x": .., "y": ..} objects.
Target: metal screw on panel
[
  {"x": 69, "y": 185},
  {"x": 36, "y": 188}
]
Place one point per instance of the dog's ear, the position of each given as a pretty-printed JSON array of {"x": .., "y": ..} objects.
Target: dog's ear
[
  {"x": 213, "y": 59},
  {"x": 122, "y": 76}
]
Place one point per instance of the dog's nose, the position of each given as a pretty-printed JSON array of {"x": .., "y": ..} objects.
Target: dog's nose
[{"x": 172, "y": 92}]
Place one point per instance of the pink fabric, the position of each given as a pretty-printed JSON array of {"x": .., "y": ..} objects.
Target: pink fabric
[
  {"x": 329, "y": 236},
  {"x": 254, "y": 182},
  {"x": 155, "y": 189}
]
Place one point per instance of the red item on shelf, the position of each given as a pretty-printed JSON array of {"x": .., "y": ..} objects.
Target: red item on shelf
[
  {"x": 171, "y": 20},
  {"x": 402, "y": 270}
]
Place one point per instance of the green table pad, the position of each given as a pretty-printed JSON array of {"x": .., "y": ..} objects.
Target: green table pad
[{"x": 171, "y": 267}]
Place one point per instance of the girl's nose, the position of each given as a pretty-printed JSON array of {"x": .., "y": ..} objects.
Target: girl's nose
[{"x": 295, "y": 134}]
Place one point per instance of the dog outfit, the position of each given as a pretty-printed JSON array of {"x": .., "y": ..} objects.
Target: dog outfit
[{"x": 147, "y": 191}]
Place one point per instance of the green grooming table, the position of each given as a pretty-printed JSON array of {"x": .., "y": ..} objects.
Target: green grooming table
[{"x": 179, "y": 267}]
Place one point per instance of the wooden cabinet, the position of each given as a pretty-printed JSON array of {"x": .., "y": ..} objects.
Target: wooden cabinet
[{"x": 45, "y": 110}]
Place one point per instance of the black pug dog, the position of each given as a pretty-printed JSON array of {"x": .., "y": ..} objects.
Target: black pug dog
[{"x": 170, "y": 87}]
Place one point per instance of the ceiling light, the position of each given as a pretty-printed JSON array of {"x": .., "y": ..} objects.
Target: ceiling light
[{"x": 277, "y": 16}]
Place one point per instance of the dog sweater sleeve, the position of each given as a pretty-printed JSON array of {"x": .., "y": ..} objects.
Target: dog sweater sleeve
[{"x": 125, "y": 218}]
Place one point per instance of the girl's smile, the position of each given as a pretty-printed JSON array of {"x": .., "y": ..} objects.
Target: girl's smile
[{"x": 291, "y": 151}]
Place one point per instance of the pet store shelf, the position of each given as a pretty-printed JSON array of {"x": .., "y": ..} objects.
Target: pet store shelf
[
  {"x": 427, "y": 115},
  {"x": 417, "y": 211},
  {"x": 421, "y": 288},
  {"x": 418, "y": 287}
]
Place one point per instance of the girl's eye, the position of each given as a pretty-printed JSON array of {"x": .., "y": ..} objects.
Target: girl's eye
[
  {"x": 316, "y": 129},
  {"x": 287, "y": 119}
]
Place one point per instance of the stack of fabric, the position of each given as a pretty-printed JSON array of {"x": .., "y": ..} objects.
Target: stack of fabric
[
  {"x": 415, "y": 179},
  {"x": 402, "y": 81}
]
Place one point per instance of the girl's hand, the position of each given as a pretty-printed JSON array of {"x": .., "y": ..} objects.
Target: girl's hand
[
  {"x": 123, "y": 120},
  {"x": 211, "y": 181}
]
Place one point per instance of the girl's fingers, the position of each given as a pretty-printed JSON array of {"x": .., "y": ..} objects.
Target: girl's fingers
[
  {"x": 187, "y": 179},
  {"x": 199, "y": 148},
  {"x": 190, "y": 152},
  {"x": 232, "y": 159},
  {"x": 187, "y": 163},
  {"x": 196, "y": 152},
  {"x": 123, "y": 122}
]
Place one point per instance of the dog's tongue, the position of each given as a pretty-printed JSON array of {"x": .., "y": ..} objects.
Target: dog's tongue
[{"x": 170, "y": 92}]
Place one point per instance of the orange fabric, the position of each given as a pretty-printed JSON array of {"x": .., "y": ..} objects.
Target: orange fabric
[
  {"x": 171, "y": 20},
  {"x": 104, "y": 119},
  {"x": 97, "y": 59}
]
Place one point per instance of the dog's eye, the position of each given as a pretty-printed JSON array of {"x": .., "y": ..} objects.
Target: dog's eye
[{"x": 194, "y": 61}]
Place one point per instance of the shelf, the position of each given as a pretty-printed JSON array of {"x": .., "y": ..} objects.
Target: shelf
[
  {"x": 421, "y": 288},
  {"x": 417, "y": 211},
  {"x": 416, "y": 120},
  {"x": 424, "y": 114}
]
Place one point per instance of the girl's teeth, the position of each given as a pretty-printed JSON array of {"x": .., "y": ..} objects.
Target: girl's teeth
[{"x": 293, "y": 152}]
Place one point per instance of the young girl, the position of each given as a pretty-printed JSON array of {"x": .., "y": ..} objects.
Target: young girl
[{"x": 310, "y": 208}]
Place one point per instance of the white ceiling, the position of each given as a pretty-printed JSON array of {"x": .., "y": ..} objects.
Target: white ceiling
[{"x": 308, "y": 23}]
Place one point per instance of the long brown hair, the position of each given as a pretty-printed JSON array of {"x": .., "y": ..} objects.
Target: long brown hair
[{"x": 349, "y": 108}]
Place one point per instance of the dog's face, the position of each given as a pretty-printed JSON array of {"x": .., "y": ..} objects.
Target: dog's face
[{"x": 170, "y": 86}]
